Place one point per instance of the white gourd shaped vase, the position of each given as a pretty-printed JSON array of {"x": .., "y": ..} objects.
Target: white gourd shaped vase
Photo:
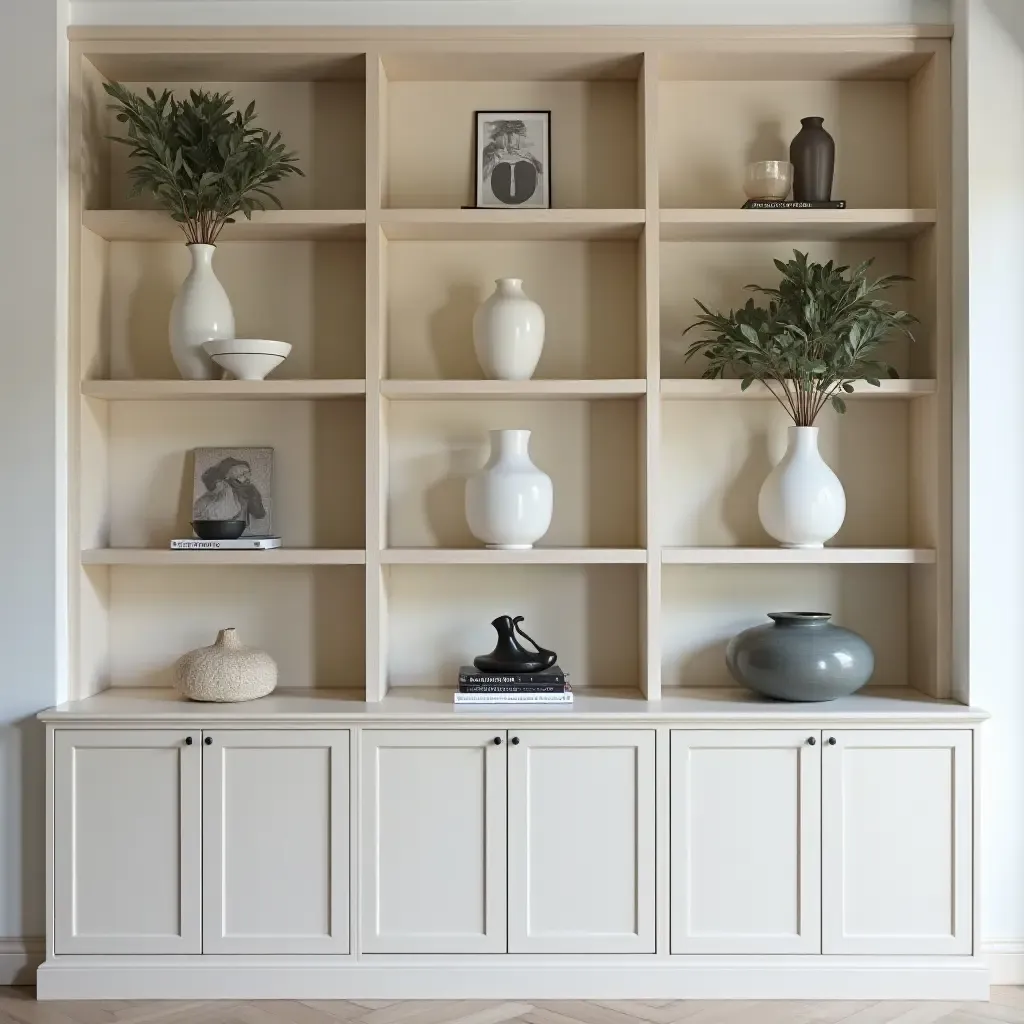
[
  {"x": 225, "y": 671},
  {"x": 201, "y": 312},
  {"x": 508, "y": 332},
  {"x": 510, "y": 501},
  {"x": 802, "y": 503}
]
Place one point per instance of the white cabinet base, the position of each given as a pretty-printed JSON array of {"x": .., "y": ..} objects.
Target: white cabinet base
[{"x": 684, "y": 977}]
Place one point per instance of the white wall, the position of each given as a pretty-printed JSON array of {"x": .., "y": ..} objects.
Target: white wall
[
  {"x": 32, "y": 564},
  {"x": 992, "y": 37},
  {"x": 990, "y": 46}
]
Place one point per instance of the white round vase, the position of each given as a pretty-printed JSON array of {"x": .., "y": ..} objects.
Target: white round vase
[
  {"x": 510, "y": 501},
  {"x": 508, "y": 332},
  {"x": 201, "y": 312},
  {"x": 225, "y": 671},
  {"x": 802, "y": 503}
]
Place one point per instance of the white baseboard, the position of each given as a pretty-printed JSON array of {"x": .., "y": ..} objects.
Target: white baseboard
[
  {"x": 1005, "y": 958},
  {"x": 19, "y": 960},
  {"x": 780, "y": 977}
]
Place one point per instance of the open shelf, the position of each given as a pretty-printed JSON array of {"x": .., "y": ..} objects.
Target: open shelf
[
  {"x": 557, "y": 225},
  {"x": 277, "y": 557},
  {"x": 697, "y": 225},
  {"x": 697, "y": 389},
  {"x": 588, "y": 613},
  {"x": 265, "y": 226},
  {"x": 533, "y": 556},
  {"x": 427, "y": 153},
  {"x": 190, "y": 390},
  {"x": 589, "y": 449},
  {"x": 373, "y": 272},
  {"x": 591, "y": 293},
  {"x": 797, "y": 556},
  {"x": 512, "y": 390},
  {"x": 704, "y": 606}
]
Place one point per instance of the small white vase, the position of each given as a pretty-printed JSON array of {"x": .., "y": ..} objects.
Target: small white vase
[
  {"x": 225, "y": 671},
  {"x": 802, "y": 503},
  {"x": 508, "y": 332},
  {"x": 201, "y": 312},
  {"x": 510, "y": 501}
]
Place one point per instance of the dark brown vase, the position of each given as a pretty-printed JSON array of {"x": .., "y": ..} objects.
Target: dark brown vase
[{"x": 813, "y": 156}]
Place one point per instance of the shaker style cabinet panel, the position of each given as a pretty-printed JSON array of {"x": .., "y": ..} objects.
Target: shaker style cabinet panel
[
  {"x": 127, "y": 855},
  {"x": 433, "y": 833},
  {"x": 581, "y": 858},
  {"x": 276, "y": 841},
  {"x": 745, "y": 841},
  {"x": 897, "y": 848}
]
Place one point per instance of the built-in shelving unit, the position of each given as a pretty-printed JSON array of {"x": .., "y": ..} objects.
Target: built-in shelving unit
[{"x": 373, "y": 270}]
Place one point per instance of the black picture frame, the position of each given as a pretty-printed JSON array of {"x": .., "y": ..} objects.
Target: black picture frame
[{"x": 484, "y": 197}]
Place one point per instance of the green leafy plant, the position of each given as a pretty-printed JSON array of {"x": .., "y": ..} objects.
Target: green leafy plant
[
  {"x": 819, "y": 332},
  {"x": 203, "y": 160}
]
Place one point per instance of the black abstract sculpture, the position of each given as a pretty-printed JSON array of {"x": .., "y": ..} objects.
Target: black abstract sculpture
[{"x": 509, "y": 655}]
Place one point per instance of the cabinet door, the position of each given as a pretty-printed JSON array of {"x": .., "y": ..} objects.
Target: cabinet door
[
  {"x": 433, "y": 841},
  {"x": 745, "y": 841},
  {"x": 127, "y": 841},
  {"x": 897, "y": 827},
  {"x": 581, "y": 841},
  {"x": 276, "y": 841}
]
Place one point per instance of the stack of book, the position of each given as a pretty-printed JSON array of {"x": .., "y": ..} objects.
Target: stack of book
[{"x": 548, "y": 687}]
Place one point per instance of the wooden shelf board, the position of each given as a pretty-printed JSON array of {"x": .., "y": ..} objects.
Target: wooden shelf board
[
  {"x": 265, "y": 226},
  {"x": 699, "y": 390},
  {"x": 516, "y": 225},
  {"x": 713, "y": 225},
  {"x": 797, "y": 556},
  {"x": 701, "y": 706},
  {"x": 192, "y": 390},
  {"x": 524, "y": 390},
  {"x": 278, "y": 557},
  {"x": 534, "y": 556}
]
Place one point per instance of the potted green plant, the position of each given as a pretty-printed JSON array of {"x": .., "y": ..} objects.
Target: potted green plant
[
  {"x": 204, "y": 162},
  {"x": 819, "y": 333}
]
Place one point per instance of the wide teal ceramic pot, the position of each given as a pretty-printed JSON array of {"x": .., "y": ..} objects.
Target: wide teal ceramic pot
[{"x": 801, "y": 656}]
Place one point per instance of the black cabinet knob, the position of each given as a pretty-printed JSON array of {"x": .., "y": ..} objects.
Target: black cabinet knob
[
  {"x": 515, "y": 741},
  {"x": 208, "y": 741},
  {"x": 497, "y": 741},
  {"x": 831, "y": 741},
  {"x": 811, "y": 741},
  {"x": 188, "y": 741}
]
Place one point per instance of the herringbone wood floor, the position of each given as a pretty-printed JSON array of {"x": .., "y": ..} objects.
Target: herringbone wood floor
[{"x": 18, "y": 1006}]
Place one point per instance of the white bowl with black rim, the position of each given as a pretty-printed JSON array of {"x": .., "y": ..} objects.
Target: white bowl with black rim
[{"x": 247, "y": 358}]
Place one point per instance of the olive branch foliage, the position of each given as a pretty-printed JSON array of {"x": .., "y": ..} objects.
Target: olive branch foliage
[
  {"x": 819, "y": 332},
  {"x": 203, "y": 160}
]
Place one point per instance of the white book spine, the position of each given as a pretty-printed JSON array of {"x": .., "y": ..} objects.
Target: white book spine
[
  {"x": 251, "y": 544},
  {"x": 513, "y": 698}
]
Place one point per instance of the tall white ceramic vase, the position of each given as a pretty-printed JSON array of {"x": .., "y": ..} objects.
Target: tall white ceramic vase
[
  {"x": 802, "y": 503},
  {"x": 201, "y": 312},
  {"x": 510, "y": 501},
  {"x": 508, "y": 332}
]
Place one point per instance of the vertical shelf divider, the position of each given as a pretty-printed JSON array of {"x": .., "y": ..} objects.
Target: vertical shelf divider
[
  {"x": 376, "y": 360},
  {"x": 650, "y": 333}
]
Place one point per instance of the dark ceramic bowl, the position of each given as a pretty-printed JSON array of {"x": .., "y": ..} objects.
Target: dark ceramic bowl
[{"x": 218, "y": 529}]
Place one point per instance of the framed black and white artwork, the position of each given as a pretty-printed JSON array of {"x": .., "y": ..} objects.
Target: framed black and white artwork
[
  {"x": 235, "y": 483},
  {"x": 513, "y": 159}
]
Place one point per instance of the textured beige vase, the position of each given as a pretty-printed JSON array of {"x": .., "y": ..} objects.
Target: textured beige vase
[{"x": 225, "y": 671}]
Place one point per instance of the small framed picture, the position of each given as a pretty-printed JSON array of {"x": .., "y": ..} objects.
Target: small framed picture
[
  {"x": 513, "y": 159},
  {"x": 235, "y": 483}
]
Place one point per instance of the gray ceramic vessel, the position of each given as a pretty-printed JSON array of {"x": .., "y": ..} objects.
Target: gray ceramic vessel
[{"x": 801, "y": 656}]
